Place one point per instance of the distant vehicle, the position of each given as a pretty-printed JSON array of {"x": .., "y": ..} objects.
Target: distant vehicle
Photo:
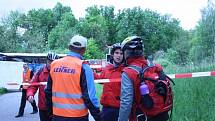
[
  {"x": 40, "y": 58},
  {"x": 11, "y": 66},
  {"x": 25, "y": 57}
]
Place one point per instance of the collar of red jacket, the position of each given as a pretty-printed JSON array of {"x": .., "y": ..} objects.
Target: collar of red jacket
[
  {"x": 111, "y": 66},
  {"x": 137, "y": 61}
]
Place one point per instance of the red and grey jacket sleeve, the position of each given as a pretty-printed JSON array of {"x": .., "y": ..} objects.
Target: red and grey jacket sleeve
[
  {"x": 33, "y": 89},
  {"x": 127, "y": 95},
  {"x": 89, "y": 92}
]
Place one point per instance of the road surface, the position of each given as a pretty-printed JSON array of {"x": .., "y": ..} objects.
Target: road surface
[{"x": 9, "y": 107}]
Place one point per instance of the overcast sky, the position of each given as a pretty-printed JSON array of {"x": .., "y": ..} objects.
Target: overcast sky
[{"x": 187, "y": 11}]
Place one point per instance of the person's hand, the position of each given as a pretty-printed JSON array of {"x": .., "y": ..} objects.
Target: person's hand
[{"x": 31, "y": 99}]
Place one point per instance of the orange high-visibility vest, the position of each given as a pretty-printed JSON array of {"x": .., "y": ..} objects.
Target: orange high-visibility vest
[
  {"x": 26, "y": 78},
  {"x": 66, "y": 91}
]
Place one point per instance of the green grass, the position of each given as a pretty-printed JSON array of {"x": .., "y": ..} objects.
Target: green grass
[
  {"x": 3, "y": 90},
  {"x": 194, "y": 98},
  {"x": 99, "y": 90}
]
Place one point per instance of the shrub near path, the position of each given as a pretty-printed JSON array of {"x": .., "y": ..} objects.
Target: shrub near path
[{"x": 3, "y": 90}]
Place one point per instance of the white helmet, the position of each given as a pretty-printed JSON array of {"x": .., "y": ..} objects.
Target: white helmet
[{"x": 52, "y": 56}]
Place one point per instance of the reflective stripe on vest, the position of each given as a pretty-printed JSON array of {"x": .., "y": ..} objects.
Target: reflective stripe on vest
[
  {"x": 63, "y": 95},
  {"x": 69, "y": 106},
  {"x": 66, "y": 90}
]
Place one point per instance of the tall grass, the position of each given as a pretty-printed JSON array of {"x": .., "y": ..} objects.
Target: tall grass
[{"x": 194, "y": 98}]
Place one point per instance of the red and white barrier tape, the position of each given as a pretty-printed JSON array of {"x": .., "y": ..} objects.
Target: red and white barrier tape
[
  {"x": 173, "y": 76},
  {"x": 191, "y": 75},
  {"x": 96, "y": 66}
]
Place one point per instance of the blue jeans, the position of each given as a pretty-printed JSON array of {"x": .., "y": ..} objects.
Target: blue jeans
[{"x": 110, "y": 114}]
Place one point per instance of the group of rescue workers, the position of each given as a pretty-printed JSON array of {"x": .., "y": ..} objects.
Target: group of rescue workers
[{"x": 70, "y": 91}]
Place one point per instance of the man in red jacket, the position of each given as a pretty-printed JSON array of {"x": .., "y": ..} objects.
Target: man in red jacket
[
  {"x": 41, "y": 76},
  {"x": 110, "y": 98}
]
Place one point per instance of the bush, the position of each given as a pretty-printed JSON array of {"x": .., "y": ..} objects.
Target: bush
[
  {"x": 164, "y": 63},
  {"x": 3, "y": 90},
  {"x": 173, "y": 56},
  {"x": 93, "y": 51}
]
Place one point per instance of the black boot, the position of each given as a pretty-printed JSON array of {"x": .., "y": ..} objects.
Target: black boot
[
  {"x": 21, "y": 112},
  {"x": 35, "y": 110},
  {"x": 19, "y": 115},
  {"x": 22, "y": 104}
]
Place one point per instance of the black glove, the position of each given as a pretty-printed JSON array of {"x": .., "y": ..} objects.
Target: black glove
[{"x": 21, "y": 86}]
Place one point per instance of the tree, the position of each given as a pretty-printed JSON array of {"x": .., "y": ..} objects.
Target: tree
[
  {"x": 109, "y": 16},
  {"x": 181, "y": 46},
  {"x": 10, "y": 39},
  {"x": 33, "y": 42},
  {"x": 59, "y": 37},
  {"x": 157, "y": 31},
  {"x": 93, "y": 51},
  {"x": 206, "y": 30},
  {"x": 58, "y": 12},
  {"x": 94, "y": 26}
]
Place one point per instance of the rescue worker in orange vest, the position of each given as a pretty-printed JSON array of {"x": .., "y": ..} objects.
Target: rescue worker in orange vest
[
  {"x": 70, "y": 89},
  {"x": 41, "y": 76},
  {"x": 27, "y": 75},
  {"x": 110, "y": 98}
]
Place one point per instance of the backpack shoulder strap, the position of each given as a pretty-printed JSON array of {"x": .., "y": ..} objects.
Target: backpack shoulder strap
[{"x": 140, "y": 71}]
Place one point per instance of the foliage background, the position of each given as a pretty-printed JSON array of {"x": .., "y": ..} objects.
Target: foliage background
[{"x": 43, "y": 30}]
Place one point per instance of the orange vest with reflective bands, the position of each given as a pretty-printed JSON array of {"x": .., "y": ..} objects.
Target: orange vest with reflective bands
[
  {"x": 26, "y": 78},
  {"x": 66, "y": 91}
]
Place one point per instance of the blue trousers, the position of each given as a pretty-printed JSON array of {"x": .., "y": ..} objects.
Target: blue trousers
[{"x": 110, "y": 114}]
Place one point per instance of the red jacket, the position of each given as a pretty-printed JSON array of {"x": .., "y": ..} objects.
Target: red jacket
[
  {"x": 111, "y": 91},
  {"x": 40, "y": 76}
]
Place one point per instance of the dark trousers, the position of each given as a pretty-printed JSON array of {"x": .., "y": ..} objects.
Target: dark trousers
[
  {"x": 59, "y": 118},
  {"x": 110, "y": 114},
  {"x": 23, "y": 103},
  {"x": 44, "y": 115}
]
